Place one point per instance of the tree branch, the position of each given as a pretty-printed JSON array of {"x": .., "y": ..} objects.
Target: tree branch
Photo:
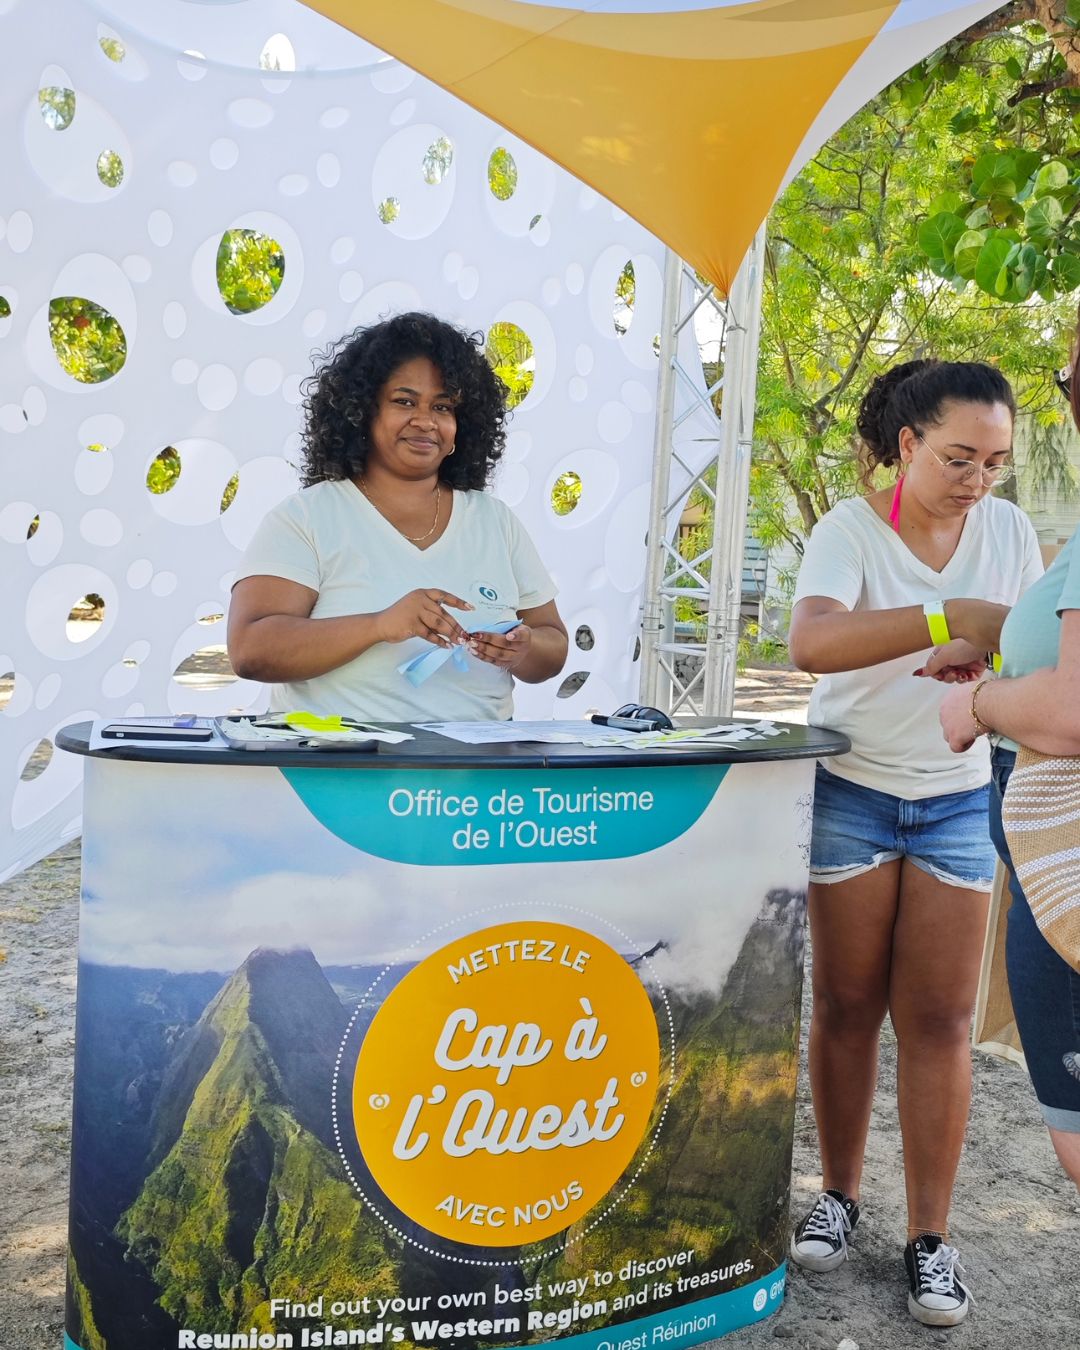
[
  {"x": 1020, "y": 11},
  {"x": 1041, "y": 87},
  {"x": 831, "y": 395}
]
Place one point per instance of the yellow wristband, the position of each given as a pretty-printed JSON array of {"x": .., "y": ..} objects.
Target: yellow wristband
[{"x": 935, "y": 621}]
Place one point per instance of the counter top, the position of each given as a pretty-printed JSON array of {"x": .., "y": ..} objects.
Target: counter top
[{"x": 428, "y": 750}]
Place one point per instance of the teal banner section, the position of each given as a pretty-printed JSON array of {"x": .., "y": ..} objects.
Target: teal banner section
[
  {"x": 454, "y": 817},
  {"x": 676, "y": 1329},
  {"x": 691, "y": 1324}
]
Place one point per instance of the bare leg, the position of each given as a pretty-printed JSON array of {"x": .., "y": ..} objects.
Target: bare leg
[
  {"x": 1067, "y": 1147},
  {"x": 937, "y": 953},
  {"x": 851, "y": 925}
]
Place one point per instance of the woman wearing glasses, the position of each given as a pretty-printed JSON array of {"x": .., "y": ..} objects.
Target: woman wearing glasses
[{"x": 901, "y": 858}]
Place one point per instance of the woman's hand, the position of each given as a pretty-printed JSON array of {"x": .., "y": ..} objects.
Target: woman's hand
[
  {"x": 533, "y": 651},
  {"x": 505, "y": 650},
  {"x": 957, "y": 723},
  {"x": 957, "y": 662},
  {"x": 979, "y": 621},
  {"x": 421, "y": 614}
]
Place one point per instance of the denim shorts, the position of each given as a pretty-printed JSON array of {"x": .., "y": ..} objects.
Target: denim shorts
[
  {"x": 1045, "y": 989},
  {"x": 857, "y": 829}
]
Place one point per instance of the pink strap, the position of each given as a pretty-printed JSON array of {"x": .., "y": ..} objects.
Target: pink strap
[{"x": 894, "y": 510}]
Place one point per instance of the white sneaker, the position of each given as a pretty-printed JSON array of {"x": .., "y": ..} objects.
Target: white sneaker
[
  {"x": 937, "y": 1297},
  {"x": 820, "y": 1241}
]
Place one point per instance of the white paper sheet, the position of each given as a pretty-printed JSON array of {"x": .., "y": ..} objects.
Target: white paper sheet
[
  {"x": 253, "y": 732},
  {"x": 551, "y": 733},
  {"x": 588, "y": 733}
]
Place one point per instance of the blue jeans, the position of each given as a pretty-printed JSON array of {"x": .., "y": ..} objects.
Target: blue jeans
[
  {"x": 1045, "y": 989},
  {"x": 858, "y": 828}
]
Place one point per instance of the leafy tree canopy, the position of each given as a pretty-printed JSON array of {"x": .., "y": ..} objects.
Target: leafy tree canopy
[
  {"x": 850, "y": 287},
  {"x": 1006, "y": 218}
]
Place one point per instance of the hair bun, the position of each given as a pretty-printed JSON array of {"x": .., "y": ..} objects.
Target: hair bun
[{"x": 872, "y": 420}]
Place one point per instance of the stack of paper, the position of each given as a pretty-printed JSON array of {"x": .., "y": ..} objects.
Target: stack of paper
[{"x": 589, "y": 733}]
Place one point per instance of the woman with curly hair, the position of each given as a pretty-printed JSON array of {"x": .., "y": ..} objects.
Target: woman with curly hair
[
  {"x": 901, "y": 862},
  {"x": 392, "y": 545}
]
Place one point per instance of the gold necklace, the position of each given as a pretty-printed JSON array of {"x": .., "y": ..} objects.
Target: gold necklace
[{"x": 412, "y": 538}]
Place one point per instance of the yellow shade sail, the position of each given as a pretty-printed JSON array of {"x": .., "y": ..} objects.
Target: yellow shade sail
[{"x": 688, "y": 114}]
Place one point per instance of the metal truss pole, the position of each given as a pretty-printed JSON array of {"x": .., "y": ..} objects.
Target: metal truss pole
[
  {"x": 687, "y": 577},
  {"x": 733, "y": 481},
  {"x": 655, "y": 684}
]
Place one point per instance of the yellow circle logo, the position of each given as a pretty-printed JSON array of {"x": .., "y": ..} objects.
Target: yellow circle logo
[{"x": 506, "y": 1082}]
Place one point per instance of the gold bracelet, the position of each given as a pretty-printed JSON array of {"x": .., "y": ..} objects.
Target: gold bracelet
[{"x": 981, "y": 729}]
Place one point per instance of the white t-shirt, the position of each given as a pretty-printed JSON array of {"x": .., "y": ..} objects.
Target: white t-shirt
[
  {"x": 891, "y": 716},
  {"x": 330, "y": 538}
]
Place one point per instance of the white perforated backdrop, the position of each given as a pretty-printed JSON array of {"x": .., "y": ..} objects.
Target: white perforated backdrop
[{"x": 210, "y": 143}]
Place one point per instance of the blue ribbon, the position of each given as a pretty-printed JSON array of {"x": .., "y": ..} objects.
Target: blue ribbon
[{"x": 420, "y": 668}]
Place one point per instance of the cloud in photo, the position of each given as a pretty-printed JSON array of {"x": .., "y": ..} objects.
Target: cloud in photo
[{"x": 237, "y": 862}]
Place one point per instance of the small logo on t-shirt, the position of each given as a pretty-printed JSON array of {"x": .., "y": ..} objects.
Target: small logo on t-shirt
[{"x": 490, "y": 601}]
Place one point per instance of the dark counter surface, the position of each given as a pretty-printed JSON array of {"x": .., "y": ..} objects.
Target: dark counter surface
[{"x": 431, "y": 751}]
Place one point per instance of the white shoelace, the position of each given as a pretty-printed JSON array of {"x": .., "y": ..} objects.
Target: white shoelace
[
  {"x": 938, "y": 1270},
  {"x": 828, "y": 1219}
]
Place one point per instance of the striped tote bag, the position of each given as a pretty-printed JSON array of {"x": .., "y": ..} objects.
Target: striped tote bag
[{"x": 1041, "y": 817}]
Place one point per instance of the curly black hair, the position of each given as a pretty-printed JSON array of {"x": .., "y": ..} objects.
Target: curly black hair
[
  {"x": 340, "y": 399},
  {"x": 913, "y": 394}
]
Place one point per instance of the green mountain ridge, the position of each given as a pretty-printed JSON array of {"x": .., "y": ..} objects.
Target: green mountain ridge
[{"x": 246, "y": 1197}]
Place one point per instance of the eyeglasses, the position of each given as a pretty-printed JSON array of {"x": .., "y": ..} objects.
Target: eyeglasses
[{"x": 962, "y": 470}]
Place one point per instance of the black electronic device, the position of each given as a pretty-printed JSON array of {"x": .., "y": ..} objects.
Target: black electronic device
[
  {"x": 151, "y": 731},
  {"x": 635, "y": 717}
]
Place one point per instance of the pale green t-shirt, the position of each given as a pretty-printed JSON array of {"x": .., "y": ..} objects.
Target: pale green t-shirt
[
  {"x": 331, "y": 539},
  {"x": 1032, "y": 632}
]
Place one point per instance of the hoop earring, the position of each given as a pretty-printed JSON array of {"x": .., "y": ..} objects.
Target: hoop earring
[{"x": 451, "y": 450}]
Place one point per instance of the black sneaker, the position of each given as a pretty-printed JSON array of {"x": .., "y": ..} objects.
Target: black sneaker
[
  {"x": 937, "y": 1297},
  {"x": 820, "y": 1241}
]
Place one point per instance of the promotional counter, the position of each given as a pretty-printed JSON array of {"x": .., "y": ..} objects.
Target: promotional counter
[{"x": 444, "y": 1045}]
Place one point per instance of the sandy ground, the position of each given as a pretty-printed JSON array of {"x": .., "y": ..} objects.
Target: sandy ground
[{"x": 1016, "y": 1218}]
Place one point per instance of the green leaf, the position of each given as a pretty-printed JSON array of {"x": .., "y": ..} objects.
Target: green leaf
[
  {"x": 996, "y": 187},
  {"x": 963, "y": 121},
  {"x": 1031, "y": 271},
  {"x": 943, "y": 269},
  {"x": 1044, "y": 218},
  {"x": 949, "y": 202},
  {"x": 1072, "y": 12},
  {"x": 1066, "y": 272},
  {"x": 978, "y": 219},
  {"x": 991, "y": 264},
  {"x": 1002, "y": 283},
  {"x": 1013, "y": 68},
  {"x": 912, "y": 94},
  {"x": 993, "y": 167},
  {"x": 1027, "y": 162},
  {"x": 1051, "y": 177},
  {"x": 938, "y": 236},
  {"x": 1004, "y": 210},
  {"x": 967, "y": 250}
]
